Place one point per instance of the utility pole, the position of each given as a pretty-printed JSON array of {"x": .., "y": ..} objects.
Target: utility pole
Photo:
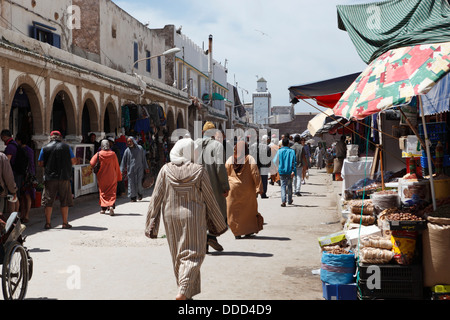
[{"x": 210, "y": 70}]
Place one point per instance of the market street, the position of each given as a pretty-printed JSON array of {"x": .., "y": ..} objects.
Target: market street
[{"x": 104, "y": 257}]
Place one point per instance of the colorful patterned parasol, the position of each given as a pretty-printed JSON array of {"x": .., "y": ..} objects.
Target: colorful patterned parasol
[{"x": 394, "y": 79}]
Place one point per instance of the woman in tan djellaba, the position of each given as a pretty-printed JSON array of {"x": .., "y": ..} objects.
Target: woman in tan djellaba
[{"x": 245, "y": 185}]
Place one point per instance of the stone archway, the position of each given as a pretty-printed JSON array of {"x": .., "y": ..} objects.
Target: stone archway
[
  {"x": 171, "y": 124},
  {"x": 89, "y": 118},
  {"x": 180, "y": 121},
  {"x": 110, "y": 120},
  {"x": 62, "y": 113},
  {"x": 26, "y": 113}
]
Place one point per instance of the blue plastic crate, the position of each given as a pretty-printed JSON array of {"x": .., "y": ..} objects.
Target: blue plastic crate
[
  {"x": 424, "y": 161},
  {"x": 339, "y": 291},
  {"x": 433, "y": 128}
]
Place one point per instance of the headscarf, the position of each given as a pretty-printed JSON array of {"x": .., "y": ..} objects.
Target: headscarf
[
  {"x": 182, "y": 152},
  {"x": 104, "y": 145},
  {"x": 133, "y": 139}
]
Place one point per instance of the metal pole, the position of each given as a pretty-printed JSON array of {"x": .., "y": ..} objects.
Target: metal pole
[
  {"x": 427, "y": 145},
  {"x": 210, "y": 67}
]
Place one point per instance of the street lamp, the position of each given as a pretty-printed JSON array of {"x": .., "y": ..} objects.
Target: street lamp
[{"x": 165, "y": 53}]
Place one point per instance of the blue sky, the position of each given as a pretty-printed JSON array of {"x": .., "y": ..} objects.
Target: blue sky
[{"x": 288, "y": 42}]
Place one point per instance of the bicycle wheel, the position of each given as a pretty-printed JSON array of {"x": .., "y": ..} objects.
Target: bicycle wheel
[{"x": 15, "y": 272}]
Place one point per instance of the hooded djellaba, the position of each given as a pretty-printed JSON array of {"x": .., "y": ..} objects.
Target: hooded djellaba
[
  {"x": 184, "y": 197},
  {"x": 134, "y": 163},
  {"x": 107, "y": 177}
]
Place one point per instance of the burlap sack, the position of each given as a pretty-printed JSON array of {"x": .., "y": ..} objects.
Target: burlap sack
[
  {"x": 436, "y": 248},
  {"x": 338, "y": 164}
]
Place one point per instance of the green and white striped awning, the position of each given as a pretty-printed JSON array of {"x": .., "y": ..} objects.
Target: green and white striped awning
[{"x": 376, "y": 28}]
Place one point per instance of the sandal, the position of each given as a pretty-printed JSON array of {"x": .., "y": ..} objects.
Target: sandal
[
  {"x": 47, "y": 226},
  {"x": 66, "y": 226}
]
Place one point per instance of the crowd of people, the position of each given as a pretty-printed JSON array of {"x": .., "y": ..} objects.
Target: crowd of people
[
  {"x": 200, "y": 194},
  {"x": 18, "y": 174}
]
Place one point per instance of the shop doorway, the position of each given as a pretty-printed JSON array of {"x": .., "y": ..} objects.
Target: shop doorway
[
  {"x": 20, "y": 116},
  {"x": 63, "y": 116},
  {"x": 59, "y": 116},
  {"x": 89, "y": 121},
  {"x": 180, "y": 121},
  {"x": 110, "y": 123}
]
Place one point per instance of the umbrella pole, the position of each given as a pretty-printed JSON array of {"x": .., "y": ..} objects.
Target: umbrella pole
[
  {"x": 427, "y": 146},
  {"x": 381, "y": 168}
]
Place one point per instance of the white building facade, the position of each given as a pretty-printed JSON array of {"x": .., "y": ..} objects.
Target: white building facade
[{"x": 69, "y": 66}]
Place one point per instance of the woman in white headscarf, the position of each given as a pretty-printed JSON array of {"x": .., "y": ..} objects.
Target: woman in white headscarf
[
  {"x": 184, "y": 197},
  {"x": 107, "y": 177}
]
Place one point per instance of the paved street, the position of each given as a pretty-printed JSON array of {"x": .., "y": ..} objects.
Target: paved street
[{"x": 105, "y": 257}]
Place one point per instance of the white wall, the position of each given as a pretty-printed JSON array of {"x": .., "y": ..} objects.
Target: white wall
[
  {"x": 261, "y": 106},
  {"x": 196, "y": 66},
  {"x": 118, "y": 52}
]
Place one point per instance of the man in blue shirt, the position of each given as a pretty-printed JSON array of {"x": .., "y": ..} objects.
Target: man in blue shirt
[{"x": 287, "y": 168}]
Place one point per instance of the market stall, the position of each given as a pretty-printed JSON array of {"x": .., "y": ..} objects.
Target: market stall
[
  {"x": 148, "y": 124},
  {"x": 354, "y": 171},
  {"x": 397, "y": 229}
]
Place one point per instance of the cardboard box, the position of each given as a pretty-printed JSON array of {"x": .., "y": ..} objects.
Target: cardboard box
[
  {"x": 332, "y": 238},
  {"x": 353, "y": 235},
  {"x": 411, "y": 147}
]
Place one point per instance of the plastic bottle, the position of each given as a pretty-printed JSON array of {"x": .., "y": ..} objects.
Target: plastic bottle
[
  {"x": 439, "y": 158},
  {"x": 412, "y": 165}
]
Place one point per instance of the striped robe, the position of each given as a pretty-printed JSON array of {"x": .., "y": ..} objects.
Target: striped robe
[{"x": 184, "y": 196}]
